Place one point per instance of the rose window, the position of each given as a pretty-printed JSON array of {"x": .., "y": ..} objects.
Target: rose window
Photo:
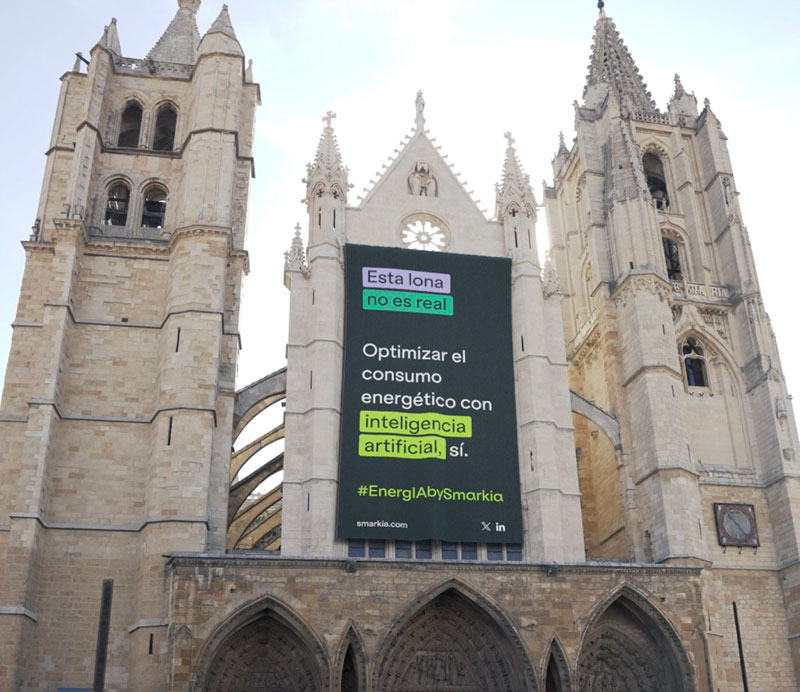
[{"x": 422, "y": 234}]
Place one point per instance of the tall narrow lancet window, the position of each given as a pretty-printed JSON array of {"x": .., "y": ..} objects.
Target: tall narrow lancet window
[
  {"x": 673, "y": 259},
  {"x": 694, "y": 361},
  {"x": 656, "y": 180},
  {"x": 553, "y": 679},
  {"x": 155, "y": 207},
  {"x": 349, "y": 672},
  {"x": 130, "y": 126},
  {"x": 164, "y": 138},
  {"x": 117, "y": 202}
]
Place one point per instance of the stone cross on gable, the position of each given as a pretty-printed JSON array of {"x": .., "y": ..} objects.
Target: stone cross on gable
[{"x": 328, "y": 117}]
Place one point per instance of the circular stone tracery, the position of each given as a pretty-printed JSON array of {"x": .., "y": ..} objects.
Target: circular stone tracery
[{"x": 424, "y": 232}]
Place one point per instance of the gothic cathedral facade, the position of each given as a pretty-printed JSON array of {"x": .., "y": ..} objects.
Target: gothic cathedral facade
[{"x": 655, "y": 443}]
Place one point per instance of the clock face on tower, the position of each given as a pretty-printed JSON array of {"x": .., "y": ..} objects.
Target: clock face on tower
[{"x": 736, "y": 524}]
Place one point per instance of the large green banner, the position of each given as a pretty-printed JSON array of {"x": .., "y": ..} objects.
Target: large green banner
[{"x": 429, "y": 434}]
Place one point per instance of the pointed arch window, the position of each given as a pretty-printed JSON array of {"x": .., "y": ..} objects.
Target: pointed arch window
[
  {"x": 130, "y": 125},
  {"x": 166, "y": 119},
  {"x": 694, "y": 362},
  {"x": 155, "y": 206},
  {"x": 553, "y": 679},
  {"x": 117, "y": 202},
  {"x": 350, "y": 672},
  {"x": 656, "y": 180}
]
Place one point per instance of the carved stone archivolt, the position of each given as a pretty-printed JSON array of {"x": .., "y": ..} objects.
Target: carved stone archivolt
[
  {"x": 451, "y": 644},
  {"x": 627, "y": 649},
  {"x": 585, "y": 350},
  {"x": 266, "y": 655}
]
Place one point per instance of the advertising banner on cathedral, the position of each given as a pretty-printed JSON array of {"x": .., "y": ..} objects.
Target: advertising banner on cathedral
[{"x": 428, "y": 433}]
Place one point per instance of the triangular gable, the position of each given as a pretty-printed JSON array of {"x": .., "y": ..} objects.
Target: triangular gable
[{"x": 420, "y": 174}]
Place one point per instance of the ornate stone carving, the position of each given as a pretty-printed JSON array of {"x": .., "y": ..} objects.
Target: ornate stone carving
[
  {"x": 421, "y": 182},
  {"x": 265, "y": 656},
  {"x": 643, "y": 283},
  {"x": 585, "y": 349},
  {"x": 295, "y": 257},
  {"x": 437, "y": 669},
  {"x": 419, "y": 104},
  {"x": 626, "y": 649},
  {"x": 550, "y": 282},
  {"x": 716, "y": 319},
  {"x": 450, "y": 644}
]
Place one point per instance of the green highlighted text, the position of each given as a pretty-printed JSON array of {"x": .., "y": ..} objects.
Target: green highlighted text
[
  {"x": 407, "y": 301},
  {"x": 402, "y": 447},
  {"x": 401, "y": 423}
]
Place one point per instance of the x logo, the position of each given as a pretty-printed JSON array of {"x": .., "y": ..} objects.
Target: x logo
[{"x": 486, "y": 526}]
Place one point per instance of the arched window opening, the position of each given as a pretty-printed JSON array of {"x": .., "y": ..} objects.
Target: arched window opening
[
  {"x": 349, "y": 673},
  {"x": 155, "y": 207},
  {"x": 119, "y": 196},
  {"x": 553, "y": 680},
  {"x": 673, "y": 259},
  {"x": 130, "y": 126},
  {"x": 694, "y": 361},
  {"x": 164, "y": 138},
  {"x": 656, "y": 180}
]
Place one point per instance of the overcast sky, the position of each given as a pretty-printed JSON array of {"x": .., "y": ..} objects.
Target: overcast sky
[{"x": 484, "y": 68}]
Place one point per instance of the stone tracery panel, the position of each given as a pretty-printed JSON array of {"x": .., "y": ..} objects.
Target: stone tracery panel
[{"x": 451, "y": 644}]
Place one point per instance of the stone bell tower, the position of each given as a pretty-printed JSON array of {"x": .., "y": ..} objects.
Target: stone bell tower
[
  {"x": 117, "y": 407},
  {"x": 668, "y": 338}
]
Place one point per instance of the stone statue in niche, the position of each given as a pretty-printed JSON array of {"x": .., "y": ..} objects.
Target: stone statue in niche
[{"x": 421, "y": 182}]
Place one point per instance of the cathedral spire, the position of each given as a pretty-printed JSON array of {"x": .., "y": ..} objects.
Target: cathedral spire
[
  {"x": 328, "y": 171},
  {"x": 220, "y": 37},
  {"x": 679, "y": 90},
  {"x": 222, "y": 24},
  {"x": 515, "y": 185},
  {"x": 295, "y": 257},
  {"x": 180, "y": 40},
  {"x": 612, "y": 64},
  {"x": 110, "y": 38},
  {"x": 561, "y": 155},
  {"x": 682, "y": 105}
]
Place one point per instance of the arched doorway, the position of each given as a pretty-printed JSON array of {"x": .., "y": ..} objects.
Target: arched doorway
[
  {"x": 267, "y": 654},
  {"x": 630, "y": 646},
  {"x": 451, "y": 643}
]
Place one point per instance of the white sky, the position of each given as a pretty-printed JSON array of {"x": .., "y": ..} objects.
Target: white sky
[{"x": 484, "y": 68}]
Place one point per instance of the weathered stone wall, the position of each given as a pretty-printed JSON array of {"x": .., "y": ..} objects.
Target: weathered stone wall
[{"x": 537, "y": 603}]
